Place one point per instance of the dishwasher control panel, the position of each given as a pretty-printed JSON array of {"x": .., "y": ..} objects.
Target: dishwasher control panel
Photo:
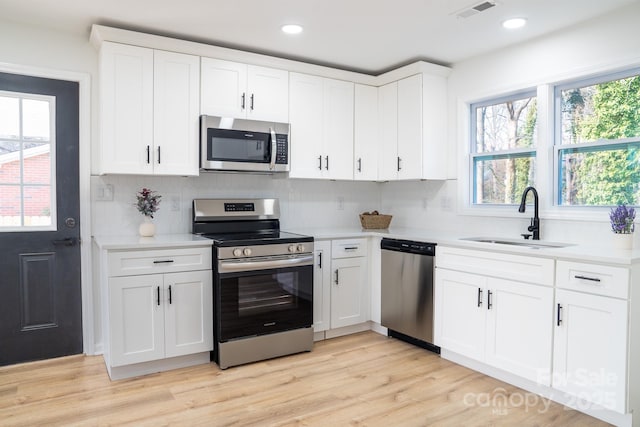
[{"x": 408, "y": 246}]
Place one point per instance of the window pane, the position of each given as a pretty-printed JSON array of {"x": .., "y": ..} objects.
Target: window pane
[
  {"x": 35, "y": 119},
  {"x": 10, "y": 211},
  {"x": 37, "y": 209},
  {"x": 37, "y": 164},
  {"x": 9, "y": 162},
  {"x": 609, "y": 110},
  {"x": 507, "y": 125},
  {"x": 600, "y": 176},
  {"x": 502, "y": 180},
  {"x": 9, "y": 118}
]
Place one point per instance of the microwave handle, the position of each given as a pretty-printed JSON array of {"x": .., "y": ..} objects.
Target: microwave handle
[{"x": 274, "y": 148}]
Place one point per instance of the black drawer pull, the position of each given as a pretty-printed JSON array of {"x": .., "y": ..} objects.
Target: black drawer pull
[
  {"x": 592, "y": 279},
  {"x": 351, "y": 248},
  {"x": 164, "y": 261}
]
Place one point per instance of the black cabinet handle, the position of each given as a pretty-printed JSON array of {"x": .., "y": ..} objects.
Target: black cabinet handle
[
  {"x": 489, "y": 303},
  {"x": 351, "y": 248},
  {"x": 164, "y": 261},
  {"x": 360, "y": 165},
  {"x": 479, "y": 297},
  {"x": 242, "y": 102},
  {"x": 593, "y": 279},
  {"x": 251, "y": 102},
  {"x": 337, "y": 277},
  {"x": 320, "y": 162},
  {"x": 559, "y": 318},
  {"x": 158, "y": 291},
  {"x": 158, "y": 154},
  {"x": 326, "y": 166},
  {"x": 320, "y": 260},
  {"x": 170, "y": 294},
  {"x": 399, "y": 167},
  {"x": 148, "y": 154}
]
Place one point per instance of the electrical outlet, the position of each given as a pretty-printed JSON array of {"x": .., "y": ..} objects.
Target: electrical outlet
[
  {"x": 104, "y": 193},
  {"x": 175, "y": 203},
  {"x": 340, "y": 203}
]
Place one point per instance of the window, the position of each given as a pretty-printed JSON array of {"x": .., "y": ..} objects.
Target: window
[
  {"x": 597, "y": 150},
  {"x": 26, "y": 167},
  {"x": 503, "y": 148}
]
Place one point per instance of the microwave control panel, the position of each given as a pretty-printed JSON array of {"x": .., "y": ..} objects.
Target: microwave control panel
[{"x": 282, "y": 151}]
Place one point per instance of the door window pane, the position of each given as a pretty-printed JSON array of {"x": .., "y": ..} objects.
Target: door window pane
[{"x": 27, "y": 199}]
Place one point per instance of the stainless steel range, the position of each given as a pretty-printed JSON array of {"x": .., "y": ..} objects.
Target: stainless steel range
[{"x": 263, "y": 281}]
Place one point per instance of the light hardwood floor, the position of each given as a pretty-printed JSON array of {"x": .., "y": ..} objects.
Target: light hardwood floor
[{"x": 359, "y": 380}]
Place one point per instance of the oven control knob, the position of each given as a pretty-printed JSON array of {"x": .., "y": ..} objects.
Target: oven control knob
[
  {"x": 292, "y": 248},
  {"x": 246, "y": 251},
  {"x": 237, "y": 252},
  {"x": 300, "y": 248}
]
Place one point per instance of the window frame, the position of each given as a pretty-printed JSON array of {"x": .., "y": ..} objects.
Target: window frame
[
  {"x": 52, "y": 158},
  {"x": 513, "y": 153},
  {"x": 600, "y": 145}
]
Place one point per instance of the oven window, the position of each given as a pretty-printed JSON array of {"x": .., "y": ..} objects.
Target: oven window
[
  {"x": 263, "y": 302},
  {"x": 238, "y": 146}
]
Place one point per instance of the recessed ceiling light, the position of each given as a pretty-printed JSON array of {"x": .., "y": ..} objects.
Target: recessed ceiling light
[
  {"x": 514, "y": 23},
  {"x": 292, "y": 29}
]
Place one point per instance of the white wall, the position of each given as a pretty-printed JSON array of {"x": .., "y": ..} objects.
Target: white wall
[{"x": 607, "y": 43}]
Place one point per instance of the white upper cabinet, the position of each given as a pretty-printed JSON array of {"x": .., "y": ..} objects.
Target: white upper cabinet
[
  {"x": 365, "y": 133},
  {"x": 149, "y": 111},
  {"x": 232, "y": 89},
  {"x": 412, "y": 118},
  {"x": 126, "y": 109},
  {"x": 321, "y": 127},
  {"x": 175, "y": 113}
]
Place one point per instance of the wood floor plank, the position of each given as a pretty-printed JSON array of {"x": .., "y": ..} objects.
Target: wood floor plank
[{"x": 359, "y": 380}]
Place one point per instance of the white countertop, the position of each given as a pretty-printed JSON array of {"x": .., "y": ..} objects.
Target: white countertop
[
  {"x": 575, "y": 252},
  {"x": 158, "y": 241}
]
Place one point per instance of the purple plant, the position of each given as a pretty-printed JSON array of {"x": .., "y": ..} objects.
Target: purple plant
[
  {"x": 148, "y": 201},
  {"x": 622, "y": 219}
]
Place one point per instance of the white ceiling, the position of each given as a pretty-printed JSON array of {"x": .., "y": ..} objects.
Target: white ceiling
[{"x": 361, "y": 35}]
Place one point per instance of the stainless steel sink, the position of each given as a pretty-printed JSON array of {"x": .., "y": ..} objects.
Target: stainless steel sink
[{"x": 533, "y": 244}]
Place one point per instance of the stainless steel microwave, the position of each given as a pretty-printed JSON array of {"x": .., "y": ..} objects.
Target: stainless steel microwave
[{"x": 243, "y": 145}]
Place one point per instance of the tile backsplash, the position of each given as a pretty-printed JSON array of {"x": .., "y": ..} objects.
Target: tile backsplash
[{"x": 303, "y": 203}]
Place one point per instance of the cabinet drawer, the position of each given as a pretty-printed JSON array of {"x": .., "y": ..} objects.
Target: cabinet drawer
[
  {"x": 593, "y": 278},
  {"x": 127, "y": 263},
  {"x": 348, "y": 248},
  {"x": 504, "y": 266}
]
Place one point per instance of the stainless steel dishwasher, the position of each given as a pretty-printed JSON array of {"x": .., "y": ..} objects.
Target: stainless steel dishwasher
[{"x": 407, "y": 291}]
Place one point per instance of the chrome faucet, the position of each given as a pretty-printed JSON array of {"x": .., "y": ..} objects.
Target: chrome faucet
[{"x": 535, "y": 221}]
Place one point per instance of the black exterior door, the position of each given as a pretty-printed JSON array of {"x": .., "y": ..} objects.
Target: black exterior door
[{"x": 40, "y": 295}]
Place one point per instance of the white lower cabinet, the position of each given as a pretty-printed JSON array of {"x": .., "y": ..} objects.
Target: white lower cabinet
[
  {"x": 160, "y": 317},
  {"x": 341, "y": 288},
  {"x": 496, "y": 318},
  {"x": 590, "y": 348},
  {"x": 502, "y": 323}
]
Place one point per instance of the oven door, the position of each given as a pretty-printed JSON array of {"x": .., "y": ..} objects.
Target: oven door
[{"x": 253, "y": 299}]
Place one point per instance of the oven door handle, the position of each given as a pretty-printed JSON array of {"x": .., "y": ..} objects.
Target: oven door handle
[{"x": 232, "y": 266}]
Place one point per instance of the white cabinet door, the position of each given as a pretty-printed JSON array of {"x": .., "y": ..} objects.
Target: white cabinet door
[
  {"x": 267, "y": 94},
  {"x": 388, "y": 120},
  {"x": 322, "y": 286},
  {"x": 223, "y": 88},
  {"x": 306, "y": 109},
  {"x": 126, "y": 109},
  {"x": 460, "y": 312},
  {"x": 349, "y": 292},
  {"x": 176, "y": 111},
  {"x": 136, "y": 316},
  {"x": 365, "y": 133},
  {"x": 519, "y": 329},
  {"x": 338, "y": 129},
  {"x": 434, "y": 127},
  {"x": 188, "y": 312},
  {"x": 590, "y": 348},
  {"x": 410, "y": 127}
]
